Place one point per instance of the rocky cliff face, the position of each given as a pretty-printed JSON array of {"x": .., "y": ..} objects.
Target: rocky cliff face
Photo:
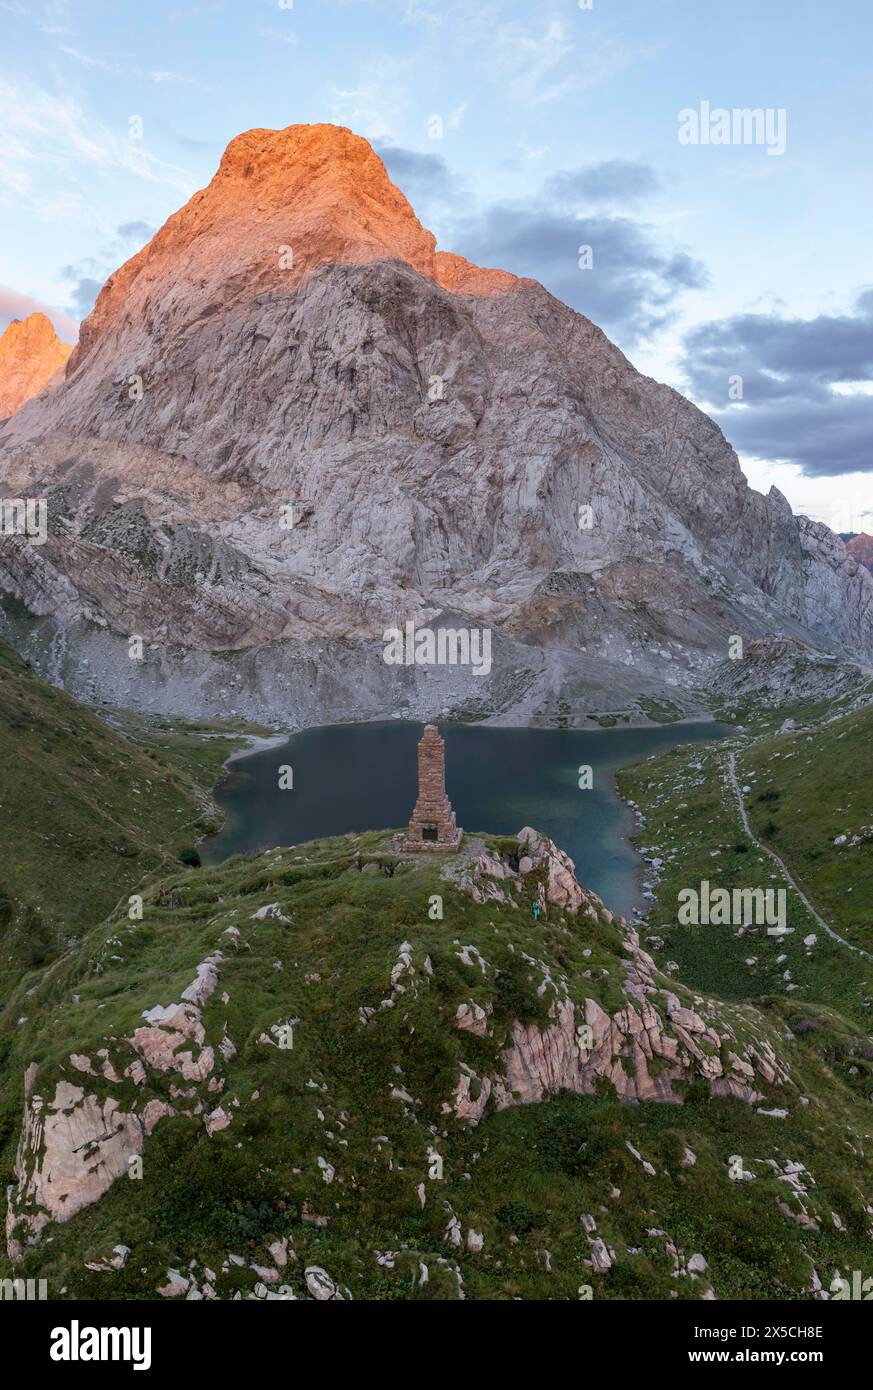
[
  {"x": 290, "y": 419},
  {"x": 30, "y": 355}
]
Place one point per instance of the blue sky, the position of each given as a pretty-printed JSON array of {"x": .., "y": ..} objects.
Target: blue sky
[{"x": 558, "y": 129}]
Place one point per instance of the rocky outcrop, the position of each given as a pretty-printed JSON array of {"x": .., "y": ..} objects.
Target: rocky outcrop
[
  {"x": 647, "y": 1051},
  {"x": 74, "y": 1146},
  {"x": 778, "y": 671},
  {"x": 71, "y": 1150},
  {"x": 31, "y": 353},
  {"x": 365, "y": 1032},
  {"x": 290, "y": 422}
]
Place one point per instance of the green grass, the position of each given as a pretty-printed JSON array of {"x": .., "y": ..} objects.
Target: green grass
[
  {"x": 79, "y": 840},
  {"x": 692, "y": 823},
  {"x": 660, "y": 711},
  {"x": 85, "y": 811},
  {"x": 528, "y": 1172},
  {"x": 812, "y": 787}
]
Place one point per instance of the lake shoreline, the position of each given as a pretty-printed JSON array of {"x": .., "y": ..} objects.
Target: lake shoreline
[
  {"x": 705, "y": 717},
  {"x": 361, "y": 775}
]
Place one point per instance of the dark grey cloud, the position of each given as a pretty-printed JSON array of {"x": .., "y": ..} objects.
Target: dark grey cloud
[
  {"x": 89, "y": 275},
  {"x": 618, "y": 181},
  {"x": 84, "y": 292},
  {"x": 635, "y": 280},
  {"x": 789, "y": 368},
  {"x": 416, "y": 174},
  {"x": 633, "y": 284}
]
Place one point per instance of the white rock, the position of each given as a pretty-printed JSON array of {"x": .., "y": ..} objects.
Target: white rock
[{"x": 320, "y": 1285}]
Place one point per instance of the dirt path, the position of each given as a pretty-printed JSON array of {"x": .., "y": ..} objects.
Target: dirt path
[{"x": 732, "y": 778}]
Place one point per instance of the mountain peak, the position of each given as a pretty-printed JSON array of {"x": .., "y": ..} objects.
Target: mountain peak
[
  {"x": 334, "y": 179},
  {"x": 36, "y": 328},
  {"x": 30, "y": 354},
  {"x": 281, "y": 204}
]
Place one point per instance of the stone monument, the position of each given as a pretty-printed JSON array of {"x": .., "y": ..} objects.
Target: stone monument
[{"x": 433, "y": 821}]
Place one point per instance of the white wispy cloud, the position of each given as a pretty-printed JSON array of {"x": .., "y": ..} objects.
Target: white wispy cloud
[
  {"x": 530, "y": 60},
  {"x": 162, "y": 75},
  {"x": 372, "y": 108},
  {"x": 89, "y": 60},
  {"x": 48, "y": 133},
  {"x": 53, "y": 17},
  {"x": 544, "y": 64},
  {"x": 123, "y": 63},
  {"x": 268, "y": 31}
]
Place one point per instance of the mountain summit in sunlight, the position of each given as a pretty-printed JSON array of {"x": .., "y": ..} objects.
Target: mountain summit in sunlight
[{"x": 282, "y": 203}]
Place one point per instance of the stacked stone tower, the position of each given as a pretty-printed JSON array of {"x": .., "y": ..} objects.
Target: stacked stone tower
[{"x": 433, "y": 821}]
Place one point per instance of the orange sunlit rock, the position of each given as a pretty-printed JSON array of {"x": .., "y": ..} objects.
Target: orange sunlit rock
[{"x": 30, "y": 354}]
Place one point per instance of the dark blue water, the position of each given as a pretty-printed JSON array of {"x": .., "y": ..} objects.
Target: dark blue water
[{"x": 350, "y": 777}]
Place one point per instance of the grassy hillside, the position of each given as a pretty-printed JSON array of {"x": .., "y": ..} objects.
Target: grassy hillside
[
  {"x": 809, "y": 789},
  {"x": 85, "y": 811},
  {"x": 325, "y": 1150},
  {"x": 804, "y": 789},
  {"x": 260, "y": 1161}
]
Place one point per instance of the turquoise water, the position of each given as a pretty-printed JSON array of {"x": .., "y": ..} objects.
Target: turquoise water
[{"x": 352, "y": 777}]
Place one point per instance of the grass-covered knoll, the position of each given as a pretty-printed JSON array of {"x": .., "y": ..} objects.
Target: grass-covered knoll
[
  {"x": 85, "y": 811},
  {"x": 809, "y": 789},
  {"x": 330, "y": 1143}
]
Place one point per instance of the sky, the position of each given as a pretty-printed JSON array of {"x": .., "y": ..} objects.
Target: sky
[{"x": 523, "y": 132}]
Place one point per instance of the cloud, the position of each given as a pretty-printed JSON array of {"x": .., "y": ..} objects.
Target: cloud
[
  {"x": 84, "y": 292},
  {"x": 286, "y": 36},
  {"x": 14, "y": 305},
  {"x": 163, "y": 75},
  {"x": 806, "y": 385},
  {"x": 188, "y": 142},
  {"x": 124, "y": 63},
  {"x": 89, "y": 60},
  {"x": 616, "y": 180},
  {"x": 529, "y": 61},
  {"x": 88, "y": 276},
  {"x": 48, "y": 133},
  {"x": 135, "y": 231},
  {"x": 544, "y": 65},
  {"x": 632, "y": 289},
  {"x": 55, "y": 18},
  {"x": 418, "y": 175},
  {"x": 440, "y": 199},
  {"x": 433, "y": 15},
  {"x": 373, "y": 107}
]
